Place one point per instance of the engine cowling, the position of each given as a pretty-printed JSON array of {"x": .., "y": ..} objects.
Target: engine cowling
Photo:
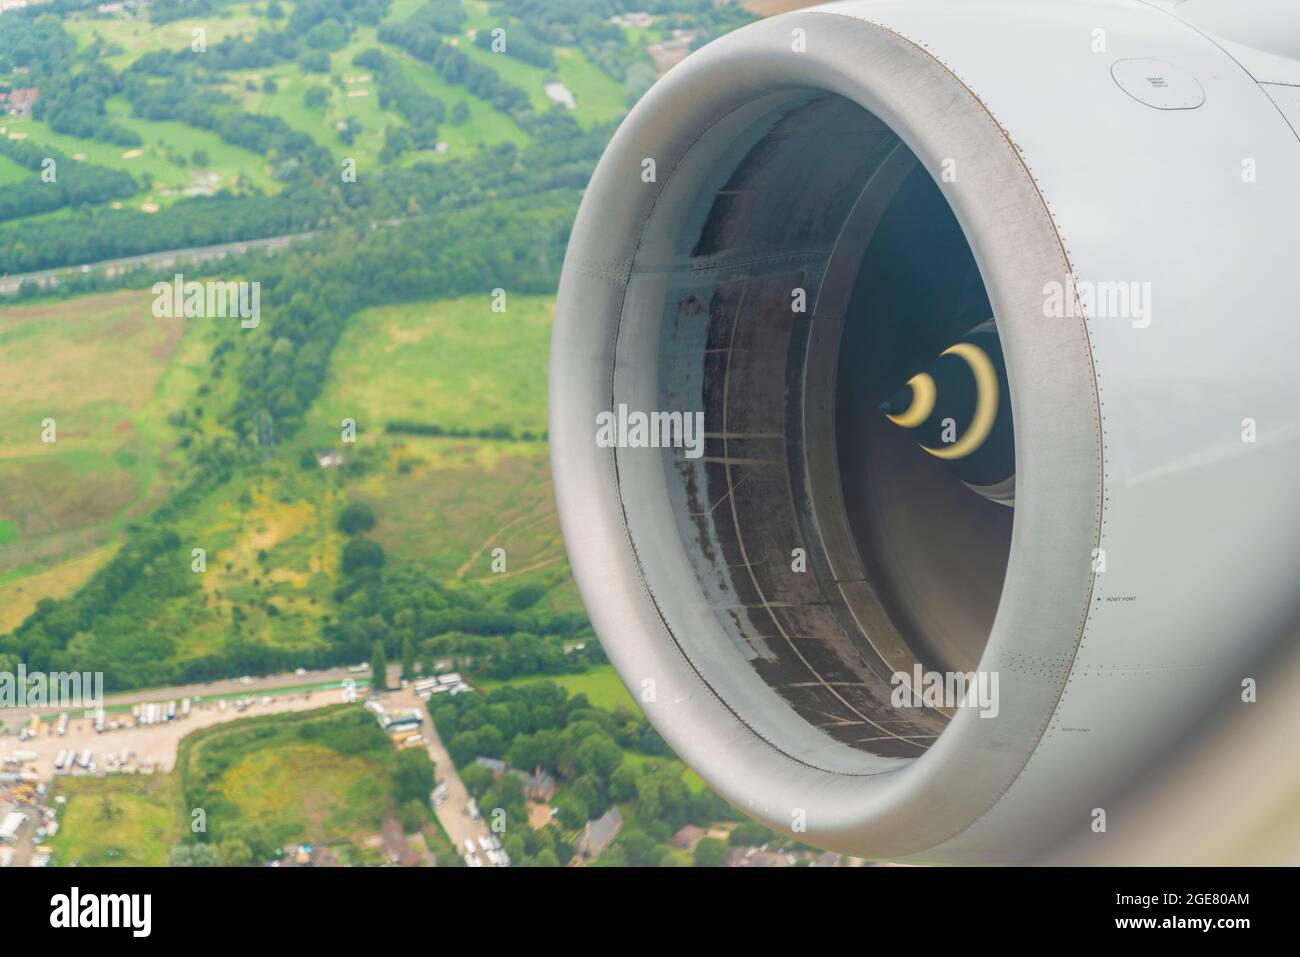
[{"x": 792, "y": 225}]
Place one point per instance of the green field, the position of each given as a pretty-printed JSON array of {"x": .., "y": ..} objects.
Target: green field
[
  {"x": 11, "y": 172},
  {"x": 442, "y": 504},
  {"x": 121, "y": 820},
  {"x": 272, "y": 552},
  {"x": 165, "y": 158},
  {"x": 601, "y": 684},
  {"x": 485, "y": 125},
  {"x": 322, "y": 776},
  {"x": 129, "y": 36},
  {"x": 313, "y": 777},
  {"x": 119, "y": 375},
  {"x": 453, "y": 362},
  {"x": 165, "y": 142},
  {"x": 599, "y": 97},
  {"x": 446, "y": 502}
]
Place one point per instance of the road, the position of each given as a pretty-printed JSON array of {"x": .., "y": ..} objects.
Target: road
[
  {"x": 454, "y": 812},
  {"x": 14, "y": 717},
  {"x": 162, "y": 260},
  {"x": 152, "y": 747}
]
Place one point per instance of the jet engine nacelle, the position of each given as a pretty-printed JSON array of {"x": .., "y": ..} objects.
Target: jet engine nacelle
[{"x": 846, "y": 634}]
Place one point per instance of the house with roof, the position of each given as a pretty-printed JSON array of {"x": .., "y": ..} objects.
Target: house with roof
[
  {"x": 538, "y": 786},
  {"x": 18, "y": 102},
  {"x": 498, "y": 768},
  {"x": 598, "y": 834}
]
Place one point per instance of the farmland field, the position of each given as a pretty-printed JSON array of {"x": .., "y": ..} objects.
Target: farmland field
[
  {"x": 447, "y": 501},
  {"x": 442, "y": 503},
  {"x": 85, "y": 442},
  {"x": 450, "y": 362}
]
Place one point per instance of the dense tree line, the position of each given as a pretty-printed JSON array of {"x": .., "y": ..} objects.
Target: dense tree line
[
  {"x": 445, "y": 16},
  {"x": 423, "y": 41},
  {"x": 37, "y": 43},
  {"x": 498, "y": 433},
  {"x": 75, "y": 104},
  {"x": 293, "y": 154},
  {"x": 560, "y": 155},
  {"x": 421, "y": 110},
  {"x": 113, "y": 617},
  {"x": 557, "y": 162},
  {"x": 98, "y": 234},
  {"x": 521, "y": 42},
  {"x": 73, "y": 183},
  {"x": 516, "y": 244},
  {"x": 409, "y": 604}
]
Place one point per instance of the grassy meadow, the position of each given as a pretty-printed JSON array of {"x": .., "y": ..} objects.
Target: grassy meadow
[
  {"x": 109, "y": 375},
  {"x": 321, "y": 776},
  {"x": 123, "y": 820}
]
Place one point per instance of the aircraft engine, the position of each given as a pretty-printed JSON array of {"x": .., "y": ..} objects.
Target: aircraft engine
[{"x": 924, "y": 408}]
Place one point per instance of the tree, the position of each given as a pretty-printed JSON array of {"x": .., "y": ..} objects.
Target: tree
[
  {"x": 710, "y": 852},
  {"x": 598, "y": 754},
  {"x": 524, "y": 597},
  {"x": 546, "y": 858},
  {"x": 361, "y": 554},
  {"x": 356, "y": 517},
  {"x": 408, "y": 659},
  {"x": 413, "y": 816},
  {"x": 572, "y": 812},
  {"x": 413, "y": 776},
  {"x": 316, "y": 97},
  {"x": 193, "y": 855},
  {"x": 107, "y": 809},
  {"x": 315, "y": 61},
  {"x": 614, "y": 857},
  {"x": 641, "y": 849},
  {"x": 622, "y": 784},
  {"x": 378, "y": 668},
  {"x": 750, "y": 834},
  {"x": 235, "y": 853},
  {"x": 477, "y": 778}
]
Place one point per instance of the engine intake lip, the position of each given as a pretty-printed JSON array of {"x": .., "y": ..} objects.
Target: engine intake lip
[{"x": 615, "y": 513}]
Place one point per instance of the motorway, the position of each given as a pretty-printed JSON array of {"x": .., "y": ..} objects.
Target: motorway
[
  {"x": 161, "y": 260},
  {"x": 12, "y": 717}
]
